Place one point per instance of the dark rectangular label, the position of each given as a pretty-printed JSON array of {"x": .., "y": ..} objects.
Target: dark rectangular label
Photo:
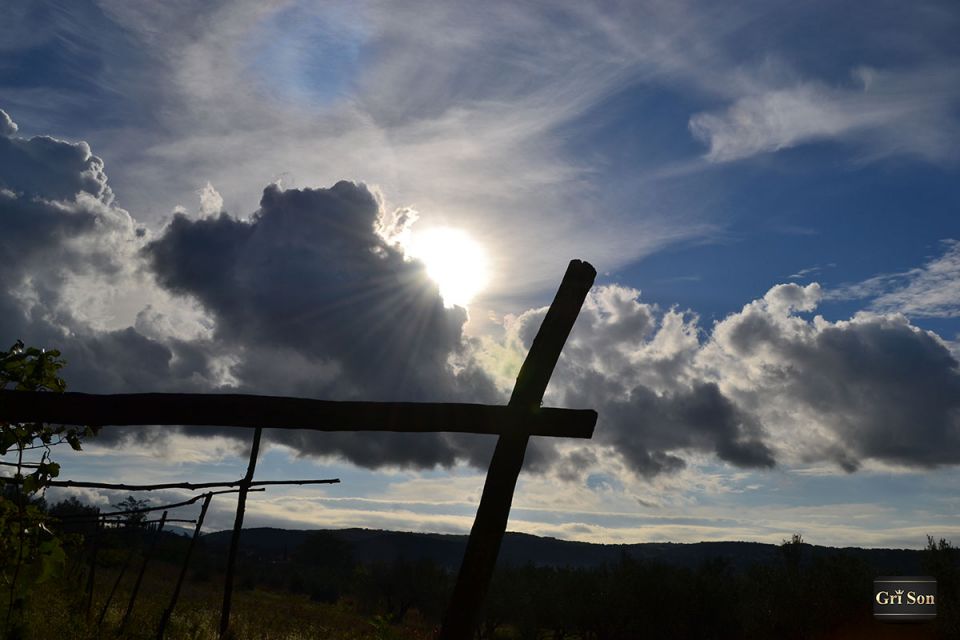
[{"x": 904, "y": 598}]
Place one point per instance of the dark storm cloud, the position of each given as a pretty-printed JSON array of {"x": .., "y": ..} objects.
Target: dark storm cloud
[
  {"x": 645, "y": 426},
  {"x": 892, "y": 392},
  {"x": 308, "y": 276},
  {"x": 308, "y": 272}
]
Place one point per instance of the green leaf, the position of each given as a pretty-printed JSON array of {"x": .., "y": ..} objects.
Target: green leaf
[{"x": 31, "y": 484}]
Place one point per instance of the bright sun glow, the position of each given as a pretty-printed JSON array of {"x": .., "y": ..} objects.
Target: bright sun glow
[{"x": 454, "y": 261}]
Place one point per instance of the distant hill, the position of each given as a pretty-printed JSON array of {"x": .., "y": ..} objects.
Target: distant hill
[{"x": 371, "y": 546}]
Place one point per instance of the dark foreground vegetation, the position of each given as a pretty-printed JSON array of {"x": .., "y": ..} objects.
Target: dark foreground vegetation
[
  {"x": 324, "y": 588},
  {"x": 61, "y": 576}
]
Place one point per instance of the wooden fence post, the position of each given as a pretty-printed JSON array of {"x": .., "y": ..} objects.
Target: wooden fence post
[
  {"x": 235, "y": 537},
  {"x": 91, "y": 577},
  {"x": 483, "y": 546},
  {"x": 143, "y": 568},
  {"x": 183, "y": 571},
  {"x": 116, "y": 583}
]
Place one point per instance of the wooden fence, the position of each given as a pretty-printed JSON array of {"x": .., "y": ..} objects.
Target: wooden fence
[{"x": 514, "y": 424}]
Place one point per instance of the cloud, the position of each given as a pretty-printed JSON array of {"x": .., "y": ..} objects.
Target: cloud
[
  {"x": 887, "y": 112},
  {"x": 51, "y": 168},
  {"x": 67, "y": 254},
  {"x": 630, "y": 362},
  {"x": 7, "y": 126},
  {"x": 58, "y": 221},
  {"x": 211, "y": 202},
  {"x": 431, "y": 103},
  {"x": 930, "y": 291},
  {"x": 305, "y": 298},
  {"x": 872, "y": 387},
  {"x": 763, "y": 386},
  {"x": 312, "y": 296},
  {"x": 308, "y": 273},
  {"x": 312, "y": 301}
]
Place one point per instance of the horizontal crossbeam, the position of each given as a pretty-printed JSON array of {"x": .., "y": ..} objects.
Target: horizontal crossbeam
[{"x": 240, "y": 410}]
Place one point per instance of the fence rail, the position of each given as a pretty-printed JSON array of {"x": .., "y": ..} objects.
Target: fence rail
[{"x": 272, "y": 412}]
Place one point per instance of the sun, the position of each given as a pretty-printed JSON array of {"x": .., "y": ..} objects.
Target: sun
[{"x": 454, "y": 260}]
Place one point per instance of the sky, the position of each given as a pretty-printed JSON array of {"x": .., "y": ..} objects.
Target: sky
[{"x": 377, "y": 200}]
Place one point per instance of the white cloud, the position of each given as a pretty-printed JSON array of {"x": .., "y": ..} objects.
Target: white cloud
[
  {"x": 889, "y": 112},
  {"x": 211, "y": 202},
  {"x": 930, "y": 291},
  {"x": 7, "y": 126},
  {"x": 765, "y": 384}
]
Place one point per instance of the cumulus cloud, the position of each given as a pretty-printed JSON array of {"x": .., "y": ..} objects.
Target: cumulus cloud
[
  {"x": 66, "y": 252},
  {"x": 309, "y": 273},
  {"x": 305, "y": 298},
  {"x": 632, "y": 364},
  {"x": 872, "y": 387},
  {"x": 312, "y": 296},
  {"x": 313, "y": 301},
  {"x": 58, "y": 220},
  {"x": 763, "y": 386}
]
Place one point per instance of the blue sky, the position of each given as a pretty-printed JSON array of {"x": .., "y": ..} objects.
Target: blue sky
[{"x": 768, "y": 190}]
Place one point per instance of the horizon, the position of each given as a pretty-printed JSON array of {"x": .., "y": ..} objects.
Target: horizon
[{"x": 533, "y": 535}]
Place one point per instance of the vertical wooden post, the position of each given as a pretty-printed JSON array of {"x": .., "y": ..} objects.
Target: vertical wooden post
[
  {"x": 91, "y": 577},
  {"x": 490, "y": 524},
  {"x": 235, "y": 538},
  {"x": 116, "y": 583},
  {"x": 183, "y": 571},
  {"x": 143, "y": 568}
]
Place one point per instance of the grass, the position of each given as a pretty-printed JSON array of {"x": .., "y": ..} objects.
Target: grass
[{"x": 58, "y": 611}]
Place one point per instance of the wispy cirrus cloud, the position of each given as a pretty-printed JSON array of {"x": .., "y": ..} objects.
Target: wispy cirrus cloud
[
  {"x": 886, "y": 112},
  {"x": 930, "y": 291}
]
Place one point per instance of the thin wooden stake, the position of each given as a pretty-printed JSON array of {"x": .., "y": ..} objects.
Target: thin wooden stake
[
  {"x": 192, "y": 486},
  {"x": 162, "y": 507},
  {"x": 235, "y": 537},
  {"x": 483, "y": 546},
  {"x": 113, "y": 590},
  {"x": 93, "y": 569},
  {"x": 165, "y": 618},
  {"x": 143, "y": 568}
]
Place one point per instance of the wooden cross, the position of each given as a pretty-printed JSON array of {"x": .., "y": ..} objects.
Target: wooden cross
[{"x": 514, "y": 424}]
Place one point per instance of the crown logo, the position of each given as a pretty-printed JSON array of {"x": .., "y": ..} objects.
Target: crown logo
[{"x": 899, "y": 592}]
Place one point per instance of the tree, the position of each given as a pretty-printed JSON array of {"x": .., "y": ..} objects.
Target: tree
[
  {"x": 30, "y": 552},
  {"x": 328, "y": 564},
  {"x": 137, "y": 517},
  {"x": 942, "y": 561}
]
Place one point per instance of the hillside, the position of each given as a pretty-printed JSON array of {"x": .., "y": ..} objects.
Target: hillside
[{"x": 519, "y": 549}]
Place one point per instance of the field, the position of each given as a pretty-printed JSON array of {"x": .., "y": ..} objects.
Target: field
[
  {"x": 321, "y": 590},
  {"x": 258, "y": 614}
]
